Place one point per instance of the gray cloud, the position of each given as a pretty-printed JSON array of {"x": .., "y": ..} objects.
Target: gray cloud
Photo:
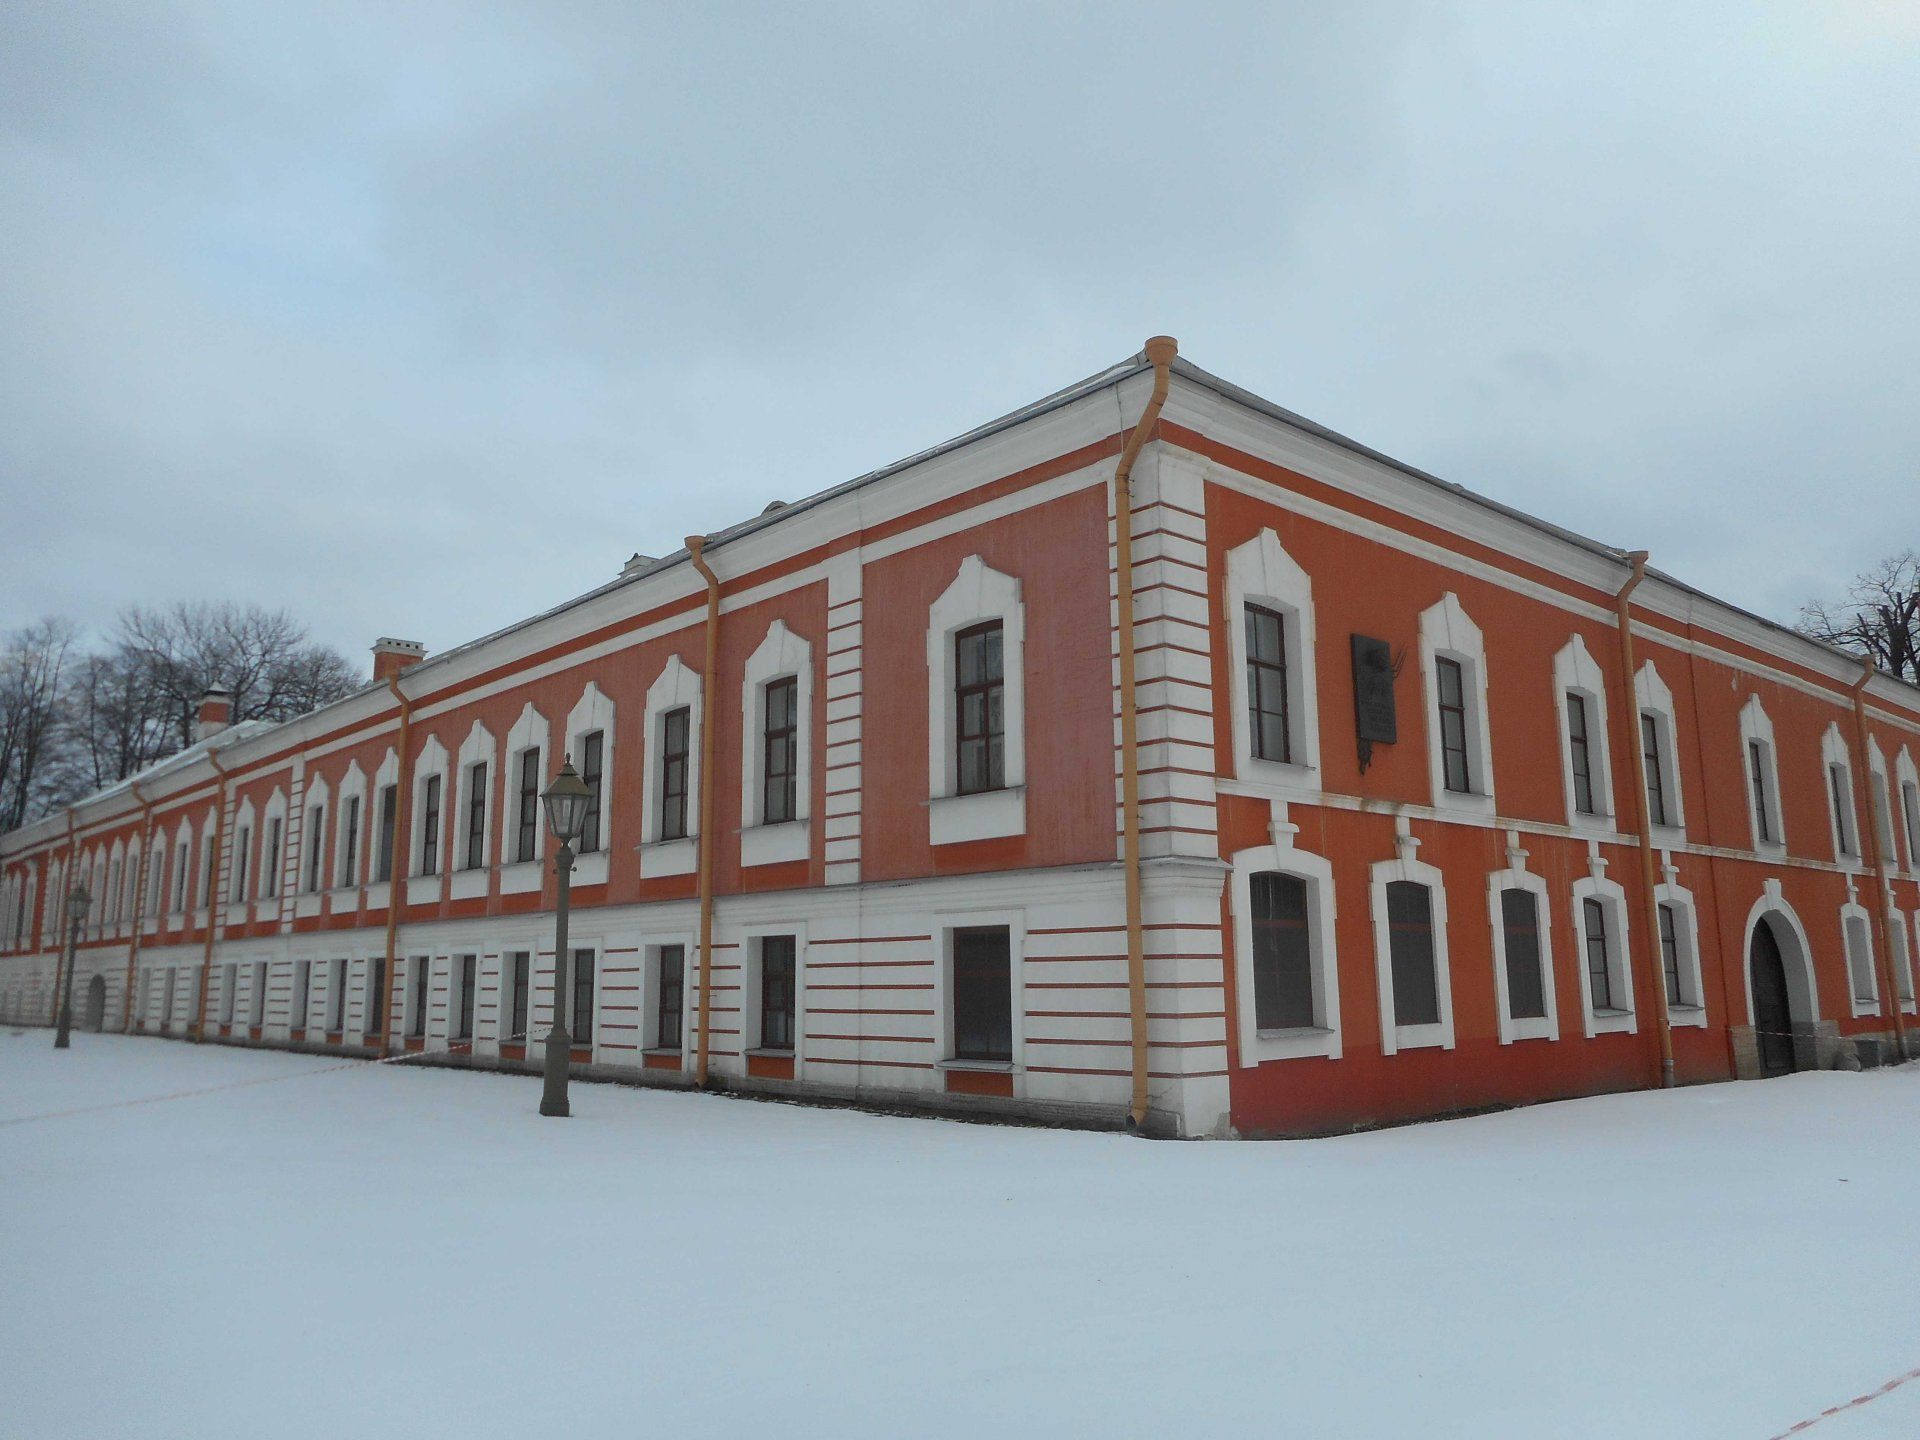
[{"x": 420, "y": 318}]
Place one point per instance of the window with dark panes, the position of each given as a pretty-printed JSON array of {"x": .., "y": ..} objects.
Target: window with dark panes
[
  {"x": 376, "y": 1017},
  {"x": 978, "y": 705},
  {"x": 982, "y": 994},
  {"x": 676, "y": 731},
  {"x": 1842, "y": 809},
  {"x": 240, "y": 850},
  {"x": 206, "y": 880},
  {"x": 302, "y": 986},
  {"x": 430, "y": 827},
  {"x": 422, "y": 971},
  {"x": 776, "y": 992},
  {"x": 1756, "y": 766},
  {"x": 1267, "y": 721},
  {"x": 518, "y": 964},
  {"x": 229, "y": 992},
  {"x": 1410, "y": 954},
  {"x": 1456, "y": 773},
  {"x": 316, "y": 847},
  {"x": 1670, "y": 952},
  {"x": 383, "y": 855},
  {"x": 527, "y": 816},
  {"x": 257, "y": 994},
  {"x": 1599, "y": 971},
  {"x": 593, "y": 749},
  {"x": 1580, "y": 747},
  {"x": 270, "y": 864},
  {"x": 337, "y": 996},
  {"x": 1656, "y": 770},
  {"x": 180, "y": 879},
  {"x": 349, "y": 843},
  {"x": 673, "y": 992},
  {"x": 1282, "y": 953},
  {"x": 580, "y": 1027},
  {"x": 779, "y": 751},
  {"x": 1520, "y": 928},
  {"x": 469, "y": 966},
  {"x": 476, "y": 855}
]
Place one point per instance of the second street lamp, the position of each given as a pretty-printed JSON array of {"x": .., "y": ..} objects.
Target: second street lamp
[
  {"x": 567, "y": 800},
  {"x": 78, "y": 899}
]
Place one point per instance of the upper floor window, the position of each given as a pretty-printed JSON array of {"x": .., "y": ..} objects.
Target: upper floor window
[
  {"x": 593, "y": 747},
  {"x": 978, "y": 710},
  {"x": 1453, "y": 664},
  {"x": 1840, "y": 812},
  {"x": 527, "y": 816},
  {"x": 1763, "y": 821},
  {"x": 242, "y": 846},
  {"x": 1653, "y": 758},
  {"x": 476, "y": 841},
  {"x": 1586, "y": 766},
  {"x": 1268, "y": 726},
  {"x": 430, "y": 826},
  {"x": 316, "y": 844},
  {"x": 383, "y": 855},
  {"x": 270, "y": 865},
  {"x": 779, "y": 752},
  {"x": 349, "y": 873},
  {"x": 1580, "y": 741},
  {"x": 676, "y": 737},
  {"x": 1910, "y": 808},
  {"x": 1762, "y": 776}
]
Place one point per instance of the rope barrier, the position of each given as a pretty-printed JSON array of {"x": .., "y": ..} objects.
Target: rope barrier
[{"x": 1855, "y": 1403}]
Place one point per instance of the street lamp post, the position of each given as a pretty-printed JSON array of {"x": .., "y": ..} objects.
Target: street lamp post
[
  {"x": 77, "y": 902},
  {"x": 566, "y": 799}
]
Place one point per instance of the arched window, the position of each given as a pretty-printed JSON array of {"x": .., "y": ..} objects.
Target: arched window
[{"x": 1282, "y": 952}]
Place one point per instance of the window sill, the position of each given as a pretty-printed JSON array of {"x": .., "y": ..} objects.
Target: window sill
[
  {"x": 467, "y": 884},
  {"x": 1467, "y": 802},
  {"x": 521, "y": 878},
  {"x": 591, "y": 868},
  {"x": 990, "y": 1067},
  {"x": 770, "y": 1052},
  {"x": 306, "y": 903},
  {"x": 1687, "y": 1015},
  {"x": 1299, "y": 1042},
  {"x": 1611, "y": 1022},
  {"x": 985, "y": 815},
  {"x": 1294, "y": 1032},
  {"x": 1421, "y": 1037},
  {"x": 1517, "y": 1031},
  {"x": 773, "y": 844},
  {"x": 669, "y": 857},
  {"x": 1284, "y": 775}
]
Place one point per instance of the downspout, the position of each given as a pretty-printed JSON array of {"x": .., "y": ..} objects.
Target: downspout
[
  {"x": 1160, "y": 351},
  {"x": 1883, "y": 883},
  {"x": 215, "y": 888},
  {"x": 1622, "y": 609},
  {"x": 402, "y": 857},
  {"x": 696, "y": 544},
  {"x": 139, "y": 904},
  {"x": 60, "y": 932}
]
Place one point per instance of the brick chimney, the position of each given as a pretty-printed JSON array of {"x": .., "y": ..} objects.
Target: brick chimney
[
  {"x": 390, "y": 657},
  {"x": 216, "y": 711}
]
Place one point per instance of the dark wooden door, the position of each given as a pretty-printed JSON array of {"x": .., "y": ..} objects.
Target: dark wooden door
[
  {"x": 1772, "y": 1013},
  {"x": 96, "y": 1004}
]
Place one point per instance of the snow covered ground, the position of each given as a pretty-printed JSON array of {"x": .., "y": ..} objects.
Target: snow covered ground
[{"x": 392, "y": 1251}]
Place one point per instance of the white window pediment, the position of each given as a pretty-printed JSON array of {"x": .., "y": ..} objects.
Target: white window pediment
[
  {"x": 1516, "y": 876},
  {"x": 530, "y": 731},
  {"x": 1907, "y": 801},
  {"x": 1577, "y": 677},
  {"x": 1323, "y": 1037},
  {"x": 1655, "y": 702},
  {"x": 1618, "y": 1014},
  {"x": 1842, "y": 822},
  {"x": 1447, "y": 632},
  {"x": 1762, "y": 788},
  {"x": 353, "y": 786},
  {"x": 677, "y": 686},
  {"x": 1691, "y": 1007},
  {"x": 1397, "y": 1031},
  {"x": 470, "y": 870},
  {"x": 781, "y": 653},
  {"x": 1856, "y": 943},
  {"x": 1261, "y": 573},
  {"x": 594, "y": 711},
  {"x": 978, "y": 595}
]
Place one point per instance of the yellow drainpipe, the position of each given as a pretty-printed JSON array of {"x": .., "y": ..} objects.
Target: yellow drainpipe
[
  {"x": 213, "y": 896},
  {"x": 47, "y": 903},
  {"x": 139, "y": 903},
  {"x": 695, "y": 545},
  {"x": 1883, "y": 884},
  {"x": 402, "y": 856},
  {"x": 1623, "y": 615},
  {"x": 1160, "y": 352}
]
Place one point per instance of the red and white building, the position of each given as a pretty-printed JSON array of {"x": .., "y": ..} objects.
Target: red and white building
[{"x": 1394, "y": 854}]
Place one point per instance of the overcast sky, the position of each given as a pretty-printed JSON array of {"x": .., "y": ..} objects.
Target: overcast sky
[{"x": 420, "y": 318}]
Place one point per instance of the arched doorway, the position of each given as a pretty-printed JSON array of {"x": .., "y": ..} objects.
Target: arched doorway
[
  {"x": 1772, "y": 1001},
  {"x": 96, "y": 1011}
]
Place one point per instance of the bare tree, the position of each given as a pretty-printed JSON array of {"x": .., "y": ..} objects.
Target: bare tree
[
  {"x": 264, "y": 657},
  {"x": 1878, "y": 618},
  {"x": 33, "y": 672}
]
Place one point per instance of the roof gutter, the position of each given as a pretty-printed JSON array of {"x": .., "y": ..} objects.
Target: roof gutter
[
  {"x": 1656, "y": 984},
  {"x": 1883, "y": 884},
  {"x": 696, "y": 547},
  {"x": 1160, "y": 350}
]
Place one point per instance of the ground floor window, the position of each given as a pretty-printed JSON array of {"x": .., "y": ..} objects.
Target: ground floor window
[
  {"x": 1282, "y": 952},
  {"x": 302, "y": 982},
  {"x": 776, "y": 992},
  {"x": 515, "y": 1010},
  {"x": 421, "y": 972},
  {"x": 670, "y": 1029},
  {"x": 1526, "y": 975},
  {"x": 580, "y": 1032},
  {"x": 337, "y": 996},
  {"x": 257, "y": 1001},
  {"x": 229, "y": 992},
  {"x": 1598, "y": 948},
  {"x": 468, "y": 966},
  {"x": 376, "y": 1021},
  {"x": 982, "y": 994},
  {"x": 1416, "y": 985}
]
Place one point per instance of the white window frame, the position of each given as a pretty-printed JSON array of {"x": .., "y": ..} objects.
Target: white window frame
[
  {"x": 1653, "y": 699},
  {"x": 650, "y": 949},
  {"x": 241, "y": 837},
  {"x": 977, "y": 595},
  {"x": 1908, "y": 778},
  {"x": 1447, "y": 630},
  {"x": 1395, "y": 1038},
  {"x": 258, "y": 975},
  {"x": 750, "y": 938},
  {"x": 1757, "y": 725},
  {"x": 677, "y": 685},
  {"x": 1880, "y": 805},
  {"x": 1323, "y": 1039},
  {"x": 379, "y": 891},
  {"x": 1262, "y": 573},
  {"x": 1902, "y": 958},
  {"x": 353, "y": 786},
  {"x": 595, "y": 944},
  {"x": 1861, "y": 961},
  {"x": 520, "y": 877},
  {"x": 1691, "y": 1011},
  {"x": 478, "y": 748},
  {"x": 1576, "y": 672},
  {"x": 430, "y": 764},
  {"x": 594, "y": 711},
  {"x": 1843, "y": 820},
  {"x": 946, "y": 922},
  {"x": 1625, "y": 1017},
  {"x": 317, "y": 796},
  {"x": 780, "y": 654},
  {"x": 272, "y": 880},
  {"x": 1516, "y": 876}
]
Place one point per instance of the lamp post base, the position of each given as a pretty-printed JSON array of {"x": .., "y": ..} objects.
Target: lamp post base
[{"x": 553, "y": 1097}]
